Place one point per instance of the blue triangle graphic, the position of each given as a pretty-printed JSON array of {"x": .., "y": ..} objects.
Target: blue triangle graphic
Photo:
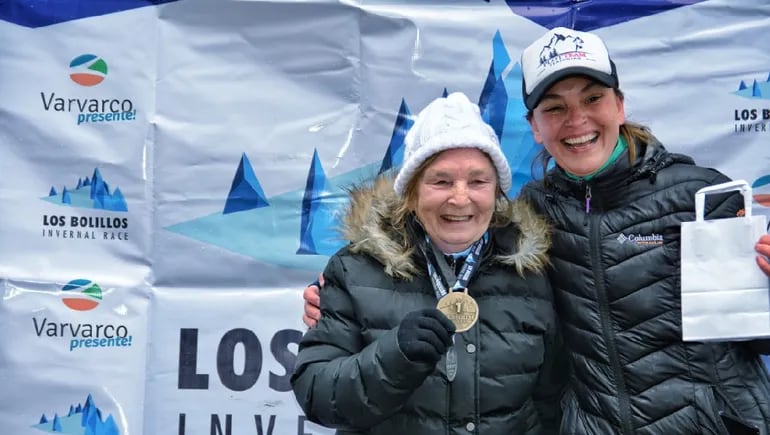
[
  {"x": 320, "y": 212},
  {"x": 394, "y": 155},
  {"x": 65, "y": 196},
  {"x": 496, "y": 107},
  {"x": 245, "y": 191}
]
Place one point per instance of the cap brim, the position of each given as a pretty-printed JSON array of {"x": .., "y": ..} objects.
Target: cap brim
[{"x": 533, "y": 99}]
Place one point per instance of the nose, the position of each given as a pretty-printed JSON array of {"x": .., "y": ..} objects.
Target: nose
[
  {"x": 460, "y": 194},
  {"x": 575, "y": 115}
]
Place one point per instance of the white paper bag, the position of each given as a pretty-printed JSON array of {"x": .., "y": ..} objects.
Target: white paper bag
[{"x": 725, "y": 296}]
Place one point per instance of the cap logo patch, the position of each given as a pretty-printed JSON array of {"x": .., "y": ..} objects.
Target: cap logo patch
[{"x": 561, "y": 48}]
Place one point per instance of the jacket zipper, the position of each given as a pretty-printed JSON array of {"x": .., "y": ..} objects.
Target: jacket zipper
[{"x": 624, "y": 404}]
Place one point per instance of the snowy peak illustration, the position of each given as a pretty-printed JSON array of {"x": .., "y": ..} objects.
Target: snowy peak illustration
[
  {"x": 394, "y": 155},
  {"x": 304, "y": 230},
  {"x": 759, "y": 89},
  {"x": 91, "y": 193},
  {"x": 81, "y": 420},
  {"x": 314, "y": 222},
  {"x": 558, "y": 45},
  {"x": 245, "y": 192}
]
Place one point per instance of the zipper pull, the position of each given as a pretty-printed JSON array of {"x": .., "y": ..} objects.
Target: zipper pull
[
  {"x": 588, "y": 205},
  {"x": 588, "y": 199}
]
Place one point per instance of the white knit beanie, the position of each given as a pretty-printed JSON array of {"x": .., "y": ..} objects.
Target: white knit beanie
[{"x": 446, "y": 123}]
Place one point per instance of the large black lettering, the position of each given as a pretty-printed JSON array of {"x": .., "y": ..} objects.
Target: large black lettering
[
  {"x": 216, "y": 426},
  {"x": 39, "y": 330},
  {"x": 270, "y": 424},
  {"x": 47, "y": 104},
  {"x": 279, "y": 347},
  {"x": 301, "y": 426},
  {"x": 189, "y": 378},
  {"x": 54, "y": 221},
  {"x": 252, "y": 359}
]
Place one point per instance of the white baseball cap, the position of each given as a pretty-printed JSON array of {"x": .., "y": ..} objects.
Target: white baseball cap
[{"x": 563, "y": 52}]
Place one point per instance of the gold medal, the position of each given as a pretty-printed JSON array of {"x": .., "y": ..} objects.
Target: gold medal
[{"x": 460, "y": 308}]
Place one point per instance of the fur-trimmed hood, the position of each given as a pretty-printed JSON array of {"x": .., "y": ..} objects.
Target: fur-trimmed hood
[{"x": 368, "y": 226}]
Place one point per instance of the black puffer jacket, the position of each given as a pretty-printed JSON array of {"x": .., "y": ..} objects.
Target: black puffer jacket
[
  {"x": 618, "y": 299},
  {"x": 351, "y": 375}
]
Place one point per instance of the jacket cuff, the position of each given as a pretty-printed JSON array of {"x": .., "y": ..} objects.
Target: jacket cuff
[{"x": 395, "y": 365}]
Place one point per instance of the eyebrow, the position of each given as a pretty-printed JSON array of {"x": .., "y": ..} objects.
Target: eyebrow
[
  {"x": 585, "y": 89},
  {"x": 473, "y": 173}
]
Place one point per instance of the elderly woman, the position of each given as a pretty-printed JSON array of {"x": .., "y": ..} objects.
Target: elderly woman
[{"x": 437, "y": 317}]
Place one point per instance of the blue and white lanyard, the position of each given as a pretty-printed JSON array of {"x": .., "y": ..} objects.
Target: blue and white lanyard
[{"x": 466, "y": 271}]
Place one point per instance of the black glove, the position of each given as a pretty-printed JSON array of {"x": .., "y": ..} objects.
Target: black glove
[{"x": 425, "y": 335}]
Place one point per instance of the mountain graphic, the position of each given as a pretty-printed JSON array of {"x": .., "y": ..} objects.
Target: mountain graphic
[
  {"x": 757, "y": 90},
  {"x": 80, "y": 420},
  {"x": 89, "y": 193},
  {"x": 299, "y": 229},
  {"x": 549, "y": 51},
  {"x": 246, "y": 192}
]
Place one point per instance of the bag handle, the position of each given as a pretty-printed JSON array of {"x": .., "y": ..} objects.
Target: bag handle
[{"x": 741, "y": 185}]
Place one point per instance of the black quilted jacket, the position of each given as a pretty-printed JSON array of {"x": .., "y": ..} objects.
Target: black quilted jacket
[
  {"x": 351, "y": 374},
  {"x": 615, "y": 275}
]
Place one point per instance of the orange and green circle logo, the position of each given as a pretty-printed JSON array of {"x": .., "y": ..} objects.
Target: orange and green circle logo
[
  {"x": 88, "y": 70},
  {"x": 761, "y": 190},
  {"x": 81, "y": 295}
]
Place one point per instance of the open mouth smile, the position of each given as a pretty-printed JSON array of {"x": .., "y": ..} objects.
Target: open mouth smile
[{"x": 581, "y": 141}]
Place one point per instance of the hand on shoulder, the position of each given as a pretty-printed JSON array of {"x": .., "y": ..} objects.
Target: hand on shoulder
[{"x": 312, "y": 298}]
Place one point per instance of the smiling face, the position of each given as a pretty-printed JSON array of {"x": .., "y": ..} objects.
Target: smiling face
[
  {"x": 578, "y": 122},
  {"x": 455, "y": 198}
]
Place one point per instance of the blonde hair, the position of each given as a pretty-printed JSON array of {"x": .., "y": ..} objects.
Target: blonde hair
[{"x": 405, "y": 210}]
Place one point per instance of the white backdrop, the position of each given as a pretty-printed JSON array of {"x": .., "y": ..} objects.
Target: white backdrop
[{"x": 172, "y": 173}]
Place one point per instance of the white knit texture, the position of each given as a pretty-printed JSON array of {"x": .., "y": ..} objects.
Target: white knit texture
[{"x": 446, "y": 123}]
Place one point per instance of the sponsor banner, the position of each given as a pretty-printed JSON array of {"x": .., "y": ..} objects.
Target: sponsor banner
[
  {"x": 73, "y": 357},
  {"x": 206, "y": 154},
  {"x": 76, "y": 154},
  {"x": 220, "y": 362}
]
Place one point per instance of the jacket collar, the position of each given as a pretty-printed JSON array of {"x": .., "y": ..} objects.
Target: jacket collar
[
  {"x": 367, "y": 225},
  {"x": 651, "y": 158}
]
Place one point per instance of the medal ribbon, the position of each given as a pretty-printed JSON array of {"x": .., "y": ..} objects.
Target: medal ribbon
[
  {"x": 433, "y": 256},
  {"x": 436, "y": 259}
]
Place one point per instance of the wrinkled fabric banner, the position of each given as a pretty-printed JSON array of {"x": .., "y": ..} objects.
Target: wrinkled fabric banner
[{"x": 174, "y": 174}]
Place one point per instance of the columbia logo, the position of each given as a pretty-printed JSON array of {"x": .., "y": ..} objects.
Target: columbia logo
[{"x": 639, "y": 239}]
